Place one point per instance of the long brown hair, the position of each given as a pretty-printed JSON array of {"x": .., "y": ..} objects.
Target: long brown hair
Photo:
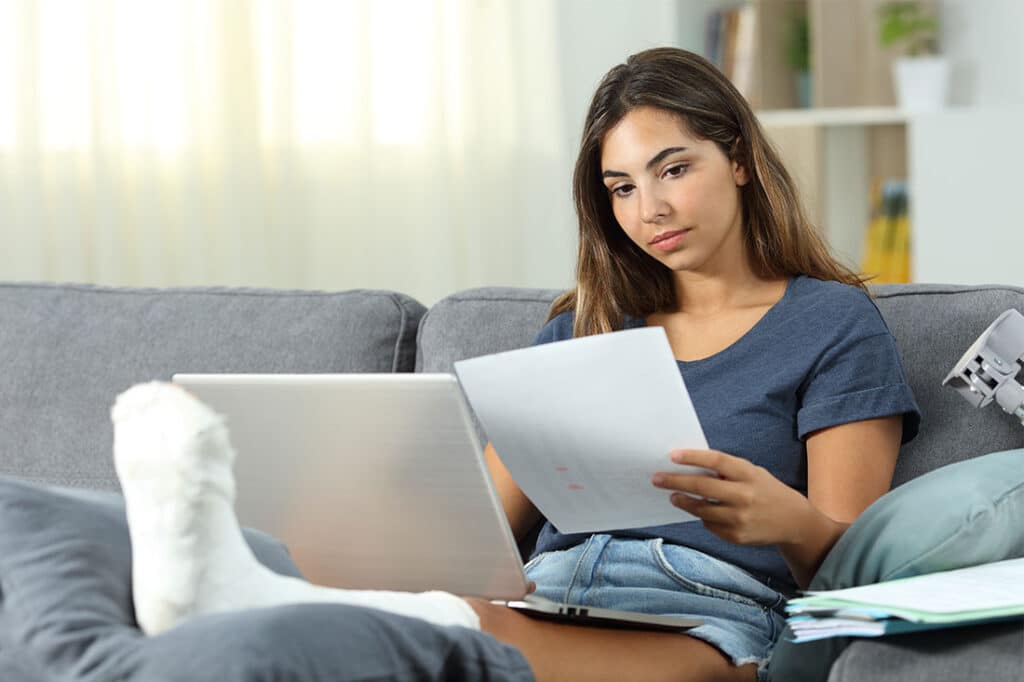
[{"x": 614, "y": 277}]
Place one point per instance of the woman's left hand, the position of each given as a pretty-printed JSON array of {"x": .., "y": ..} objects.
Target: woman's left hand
[{"x": 745, "y": 504}]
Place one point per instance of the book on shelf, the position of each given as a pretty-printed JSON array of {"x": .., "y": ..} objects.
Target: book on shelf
[
  {"x": 887, "y": 240},
  {"x": 967, "y": 596},
  {"x": 730, "y": 38}
]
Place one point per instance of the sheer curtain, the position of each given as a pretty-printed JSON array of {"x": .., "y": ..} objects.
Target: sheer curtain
[{"x": 414, "y": 145}]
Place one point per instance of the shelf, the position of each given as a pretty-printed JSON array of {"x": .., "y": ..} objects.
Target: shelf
[{"x": 832, "y": 116}]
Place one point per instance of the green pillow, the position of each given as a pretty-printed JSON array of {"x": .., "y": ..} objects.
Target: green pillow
[{"x": 959, "y": 515}]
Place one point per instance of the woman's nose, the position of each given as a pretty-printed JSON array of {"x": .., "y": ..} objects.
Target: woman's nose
[{"x": 652, "y": 208}]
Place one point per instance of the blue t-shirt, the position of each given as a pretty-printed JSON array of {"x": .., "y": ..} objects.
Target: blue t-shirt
[{"x": 821, "y": 356}]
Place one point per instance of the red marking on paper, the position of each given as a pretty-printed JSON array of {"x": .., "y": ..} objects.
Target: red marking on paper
[
  {"x": 561, "y": 468},
  {"x": 575, "y": 486}
]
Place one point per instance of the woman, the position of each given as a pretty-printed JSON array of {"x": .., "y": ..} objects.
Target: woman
[{"x": 689, "y": 221}]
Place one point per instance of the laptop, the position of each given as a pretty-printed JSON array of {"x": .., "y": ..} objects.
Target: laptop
[{"x": 378, "y": 481}]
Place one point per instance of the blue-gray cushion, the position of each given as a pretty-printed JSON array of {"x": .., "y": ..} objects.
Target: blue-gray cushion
[
  {"x": 66, "y": 613},
  {"x": 68, "y": 349},
  {"x": 959, "y": 515}
]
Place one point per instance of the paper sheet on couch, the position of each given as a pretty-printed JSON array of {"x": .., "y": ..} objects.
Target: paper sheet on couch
[{"x": 583, "y": 424}]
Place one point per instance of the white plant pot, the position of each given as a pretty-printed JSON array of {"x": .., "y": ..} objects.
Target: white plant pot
[{"x": 922, "y": 83}]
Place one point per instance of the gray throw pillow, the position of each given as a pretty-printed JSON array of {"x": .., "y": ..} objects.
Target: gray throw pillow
[
  {"x": 66, "y": 613},
  {"x": 959, "y": 515}
]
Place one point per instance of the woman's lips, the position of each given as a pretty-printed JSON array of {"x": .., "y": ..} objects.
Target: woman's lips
[{"x": 666, "y": 241}]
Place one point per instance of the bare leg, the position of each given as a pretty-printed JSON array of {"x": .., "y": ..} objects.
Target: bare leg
[{"x": 568, "y": 652}]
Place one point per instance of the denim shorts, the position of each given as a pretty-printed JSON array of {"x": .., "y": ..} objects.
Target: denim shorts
[{"x": 742, "y": 616}]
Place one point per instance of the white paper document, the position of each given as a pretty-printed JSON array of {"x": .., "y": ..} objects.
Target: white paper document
[
  {"x": 986, "y": 587},
  {"x": 583, "y": 424}
]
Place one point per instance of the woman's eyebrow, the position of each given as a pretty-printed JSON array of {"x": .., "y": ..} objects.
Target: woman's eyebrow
[{"x": 650, "y": 164}]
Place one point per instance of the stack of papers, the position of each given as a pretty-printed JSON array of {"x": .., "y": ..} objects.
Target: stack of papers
[{"x": 966, "y": 596}]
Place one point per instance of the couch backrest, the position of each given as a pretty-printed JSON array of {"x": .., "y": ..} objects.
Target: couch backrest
[
  {"x": 67, "y": 350},
  {"x": 933, "y": 326},
  {"x": 480, "y": 321},
  {"x": 477, "y": 322}
]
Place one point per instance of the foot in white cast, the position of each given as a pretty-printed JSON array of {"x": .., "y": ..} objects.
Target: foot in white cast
[{"x": 173, "y": 458}]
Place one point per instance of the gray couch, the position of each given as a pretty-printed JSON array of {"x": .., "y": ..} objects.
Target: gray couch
[{"x": 67, "y": 350}]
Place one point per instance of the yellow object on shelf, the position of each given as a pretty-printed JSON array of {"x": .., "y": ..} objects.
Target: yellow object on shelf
[{"x": 887, "y": 240}]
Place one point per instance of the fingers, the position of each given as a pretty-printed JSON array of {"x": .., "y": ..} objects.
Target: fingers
[
  {"x": 726, "y": 465},
  {"x": 707, "y": 511},
  {"x": 726, "y": 492}
]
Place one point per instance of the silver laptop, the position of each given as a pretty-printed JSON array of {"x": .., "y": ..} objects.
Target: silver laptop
[{"x": 378, "y": 481}]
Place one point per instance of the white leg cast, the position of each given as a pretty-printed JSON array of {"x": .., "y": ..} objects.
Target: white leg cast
[{"x": 173, "y": 458}]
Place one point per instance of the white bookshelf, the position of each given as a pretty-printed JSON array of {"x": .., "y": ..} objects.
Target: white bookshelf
[{"x": 832, "y": 116}]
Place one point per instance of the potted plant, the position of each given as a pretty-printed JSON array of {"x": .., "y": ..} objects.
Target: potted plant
[
  {"x": 920, "y": 73},
  {"x": 798, "y": 52}
]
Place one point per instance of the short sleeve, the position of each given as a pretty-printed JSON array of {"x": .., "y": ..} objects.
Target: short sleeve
[
  {"x": 857, "y": 376},
  {"x": 558, "y": 328}
]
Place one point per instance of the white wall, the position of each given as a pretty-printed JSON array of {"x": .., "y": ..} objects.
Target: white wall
[
  {"x": 965, "y": 163},
  {"x": 983, "y": 40},
  {"x": 967, "y": 221},
  {"x": 595, "y": 36}
]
